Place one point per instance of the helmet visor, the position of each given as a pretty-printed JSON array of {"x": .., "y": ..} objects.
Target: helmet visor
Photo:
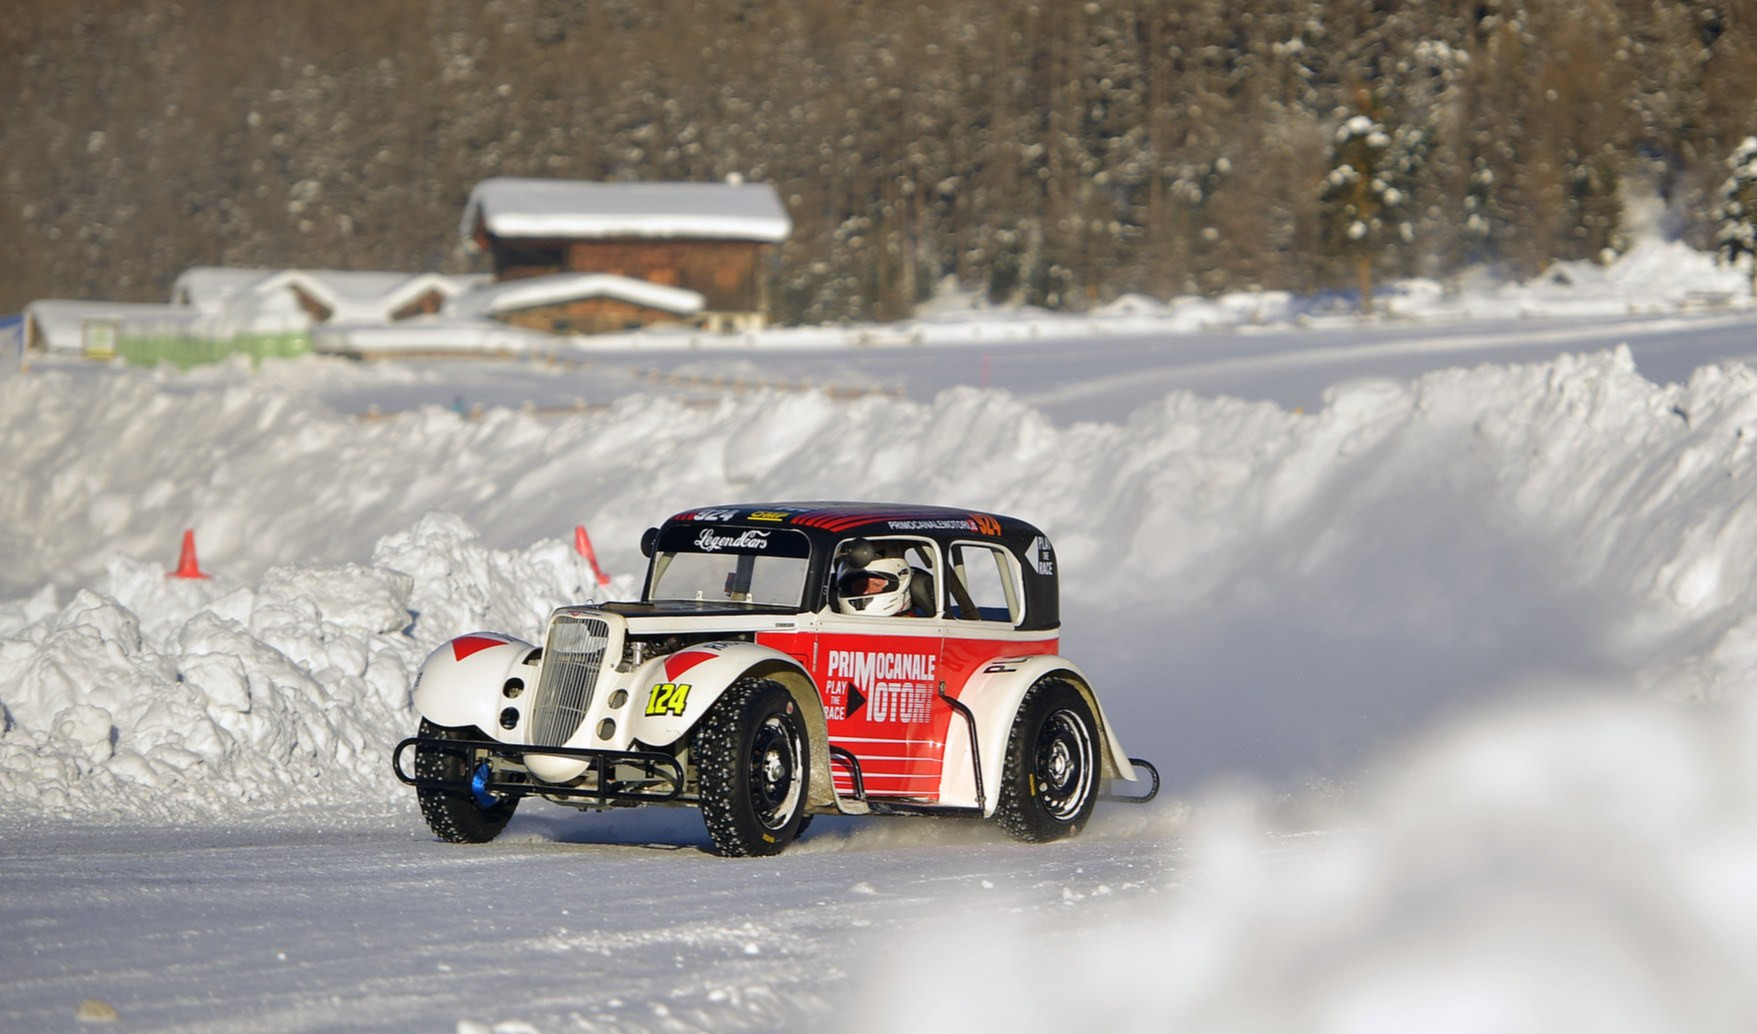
[{"x": 855, "y": 584}]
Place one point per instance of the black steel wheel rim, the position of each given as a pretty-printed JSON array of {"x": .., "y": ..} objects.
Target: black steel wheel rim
[
  {"x": 1063, "y": 765},
  {"x": 774, "y": 776}
]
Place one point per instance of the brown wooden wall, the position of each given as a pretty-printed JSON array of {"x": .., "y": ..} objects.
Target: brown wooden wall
[
  {"x": 723, "y": 272},
  {"x": 728, "y": 274}
]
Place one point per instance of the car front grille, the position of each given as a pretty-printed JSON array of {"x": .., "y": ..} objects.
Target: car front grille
[{"x": 571, "y": 661}]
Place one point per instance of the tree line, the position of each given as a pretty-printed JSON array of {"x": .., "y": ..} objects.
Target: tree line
[{"x": 1056, "y": 152}]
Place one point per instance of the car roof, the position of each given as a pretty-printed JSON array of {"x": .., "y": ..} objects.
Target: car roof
[
  {"x": 825, "y": 523},
  {"x": 843, "y": 518}
]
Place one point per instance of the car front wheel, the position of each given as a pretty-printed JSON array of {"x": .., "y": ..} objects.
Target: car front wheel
[
  {"x": 1051, "y": 777},
  {"x": 753, "y": 764},
  {"x": 460, "y": 816}
]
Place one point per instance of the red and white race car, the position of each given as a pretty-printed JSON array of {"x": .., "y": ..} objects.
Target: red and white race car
[{"x": 784, "y": 659}]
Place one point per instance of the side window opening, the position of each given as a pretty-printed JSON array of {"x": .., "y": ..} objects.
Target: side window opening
[
  {"x": 920, "y": 554},
  {"x": 984, "y": 584}
]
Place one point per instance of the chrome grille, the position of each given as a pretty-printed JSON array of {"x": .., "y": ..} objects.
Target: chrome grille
[{"x": 571, "y": 660}]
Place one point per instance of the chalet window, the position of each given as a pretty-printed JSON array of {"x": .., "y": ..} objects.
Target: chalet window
[{"x": 531, "y": 257}]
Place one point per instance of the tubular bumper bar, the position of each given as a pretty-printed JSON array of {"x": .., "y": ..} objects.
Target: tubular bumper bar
[
  {"x": 661, "y": 777},
  {"x": 1152, "y": 791}
]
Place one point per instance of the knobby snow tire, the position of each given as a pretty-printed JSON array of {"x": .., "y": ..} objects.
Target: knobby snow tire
[
  {"x": 452, "y": 815},
  {"x": 1050, "y": 781},
  {"x": 753, "y": 769}
]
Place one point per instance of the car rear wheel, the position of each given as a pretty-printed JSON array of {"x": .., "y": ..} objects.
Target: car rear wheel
[
  {"x": 1050, "y": 781},
  {"x": 753, "y": 766},
  {"x": 460, "y": 816}
]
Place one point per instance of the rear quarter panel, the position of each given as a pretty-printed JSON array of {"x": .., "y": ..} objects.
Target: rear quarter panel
[{"x": 993, "y": 695}]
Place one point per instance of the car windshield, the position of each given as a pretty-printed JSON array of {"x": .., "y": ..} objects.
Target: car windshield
[{"x": 734, "y": 565}]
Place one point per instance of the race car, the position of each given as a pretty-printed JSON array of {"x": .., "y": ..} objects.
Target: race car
[{"x": 784, "y": 660}]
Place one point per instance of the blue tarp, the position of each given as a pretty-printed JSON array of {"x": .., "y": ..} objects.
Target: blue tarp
[{"x": 12, "y": 337}]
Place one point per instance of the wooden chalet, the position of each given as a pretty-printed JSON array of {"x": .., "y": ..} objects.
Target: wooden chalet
[{"x": 710, "y": 239}]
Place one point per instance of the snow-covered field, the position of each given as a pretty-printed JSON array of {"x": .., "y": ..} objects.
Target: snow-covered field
[{"x": 1441, "y": 627}]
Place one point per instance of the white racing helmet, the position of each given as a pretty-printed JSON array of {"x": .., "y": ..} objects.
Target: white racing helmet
[{"x": 880, "y": 589}]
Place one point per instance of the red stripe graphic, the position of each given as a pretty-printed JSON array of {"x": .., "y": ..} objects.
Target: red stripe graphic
[
  {"x": 678, "y": 663},
  {"x": 465, "y": 645},
  {"x": 840, "y": 521}
]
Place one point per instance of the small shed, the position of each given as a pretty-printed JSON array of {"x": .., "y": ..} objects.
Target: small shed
[
  {"x": 712, "y": 239},
  {"x": 73, "y": 326},
  {"x": 578, "y": 303}
]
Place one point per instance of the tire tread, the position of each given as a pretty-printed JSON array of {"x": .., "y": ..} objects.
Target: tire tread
[
  {"x": 1018, "y": 811},
  {"x": 455, "y": 817},
  {"x": 717, "y": 751}
]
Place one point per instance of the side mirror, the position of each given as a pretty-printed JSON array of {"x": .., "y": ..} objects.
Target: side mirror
[{"x": 649, "y": 539}]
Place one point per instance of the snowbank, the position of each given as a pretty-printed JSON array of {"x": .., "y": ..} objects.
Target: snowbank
[
  {"x": 1583, "y": 866},
  {"x": 166, "y": 699},
  {"x": 1654, "y": 276},
  {"x": 1257, "y": 590}
]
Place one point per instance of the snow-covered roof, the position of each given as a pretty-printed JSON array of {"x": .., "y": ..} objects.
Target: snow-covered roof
[
  {"x": 510, "y": 295},
  {"x": 58, "y": 324},
  {"x": 206, "y": 287},
  {"x": 348, "y": 294},
  {"x": 536, "y": 208}
]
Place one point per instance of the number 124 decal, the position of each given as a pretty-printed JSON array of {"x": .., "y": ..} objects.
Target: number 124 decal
[{"x": 668, "y": 698}]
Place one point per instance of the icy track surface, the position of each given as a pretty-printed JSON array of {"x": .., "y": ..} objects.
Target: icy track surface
[
  {"x": 308, "y": 927},
  {"x": 1492, "y": 632}
]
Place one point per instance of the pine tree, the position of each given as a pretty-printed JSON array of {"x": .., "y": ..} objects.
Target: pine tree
[
  {"x": 1735, "y": 237},
  {"x": 1362, "y": 197}
]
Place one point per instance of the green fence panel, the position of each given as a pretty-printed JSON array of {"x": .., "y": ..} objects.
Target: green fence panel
[{"x": 184, "y": 352}]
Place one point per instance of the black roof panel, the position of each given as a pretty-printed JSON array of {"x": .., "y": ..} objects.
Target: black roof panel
[
  {"x": 827, "y": 523},
  {"x": 841, "y": 518}
]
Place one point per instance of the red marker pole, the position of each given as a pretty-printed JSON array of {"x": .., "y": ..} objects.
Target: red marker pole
[{"x": 582, "y": 544}]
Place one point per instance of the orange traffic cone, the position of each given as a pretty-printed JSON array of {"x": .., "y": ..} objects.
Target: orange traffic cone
[
  {"x": 186, "y": 565},
  {"x": 582, "y": 544}
]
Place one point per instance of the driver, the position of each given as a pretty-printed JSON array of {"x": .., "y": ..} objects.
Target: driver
[{"x": 880, "y": 589}]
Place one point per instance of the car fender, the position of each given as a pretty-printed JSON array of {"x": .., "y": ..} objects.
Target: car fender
[
  {"x": 992, "y": 696},
  {"x": 461, "y": 683},
  {"x": 671, "y": 695}
]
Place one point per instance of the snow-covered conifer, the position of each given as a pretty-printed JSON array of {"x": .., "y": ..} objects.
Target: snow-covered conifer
[
  {"x": 1364, "y": 192},
  {"x": 1735, "y": 238}
]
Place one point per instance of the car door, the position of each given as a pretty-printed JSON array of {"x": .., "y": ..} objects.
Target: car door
[{"x": 880, "y": 680}]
